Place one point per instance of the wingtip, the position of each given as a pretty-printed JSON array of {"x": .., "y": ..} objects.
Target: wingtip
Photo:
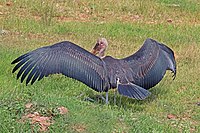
[
  {"x": 174, "y": 76},
  {"x": 15, "y": 61},
  {"x": 13, "y": 71}
]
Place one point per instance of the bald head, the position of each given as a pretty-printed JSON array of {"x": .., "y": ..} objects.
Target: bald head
[{"x": 100, "y": 47}]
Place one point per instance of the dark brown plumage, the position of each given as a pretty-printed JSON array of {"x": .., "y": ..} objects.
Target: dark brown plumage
[{"x": 132, "y": 76}]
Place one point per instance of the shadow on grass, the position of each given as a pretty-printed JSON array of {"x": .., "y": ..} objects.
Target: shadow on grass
[{"x": 122, "y": 101}]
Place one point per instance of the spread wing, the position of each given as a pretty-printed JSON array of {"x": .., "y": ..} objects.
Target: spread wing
[
  {"x": 150, "y": 62},
  {"x": 65, "y": 58}
]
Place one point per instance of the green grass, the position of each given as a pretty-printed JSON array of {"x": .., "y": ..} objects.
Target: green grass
[{"x": 126, "y": 24}]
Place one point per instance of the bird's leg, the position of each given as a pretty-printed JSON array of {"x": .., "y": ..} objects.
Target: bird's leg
[
  {"x": 120, "y": 100},
  {"x": 89, "y": 99},
  {"x": 97, "y": 96},
  {"x": 100, "y": 96},
  {"x": 107, "y": 97},
  {"x": 86, "y": 98},
  {"x": 104, "y": 99},
  {"x": 114, "y": 97},
  {"x": 117, "y": 91}
]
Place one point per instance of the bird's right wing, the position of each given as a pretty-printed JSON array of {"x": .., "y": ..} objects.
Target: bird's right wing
[
  {"x": 150, "y": 63},
  {"x": 66, "y": 58}
]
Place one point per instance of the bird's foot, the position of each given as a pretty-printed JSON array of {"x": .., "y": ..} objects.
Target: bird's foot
[
  {"x": 100, "y": 97},
  {"x": 97, "y": 97},
  {"x": 89, "y": 99}
]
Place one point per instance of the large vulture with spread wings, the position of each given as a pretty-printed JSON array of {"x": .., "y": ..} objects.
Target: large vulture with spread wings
[{"x": 132, "y": 76}]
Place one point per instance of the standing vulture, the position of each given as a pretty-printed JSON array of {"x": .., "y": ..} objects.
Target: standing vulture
[{"x": 132, "y": 76}]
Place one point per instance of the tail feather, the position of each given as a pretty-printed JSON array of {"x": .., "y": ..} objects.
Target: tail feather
[{"x": 133, "y": 91}]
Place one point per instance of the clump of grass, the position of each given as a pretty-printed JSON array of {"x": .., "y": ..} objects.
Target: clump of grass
[{"x": 46, "y": 11}]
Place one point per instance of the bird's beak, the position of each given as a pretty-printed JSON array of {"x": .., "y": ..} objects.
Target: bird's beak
[{"x": 95, "y": 50}]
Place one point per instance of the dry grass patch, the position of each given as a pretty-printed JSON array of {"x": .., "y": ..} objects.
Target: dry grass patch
[{"x": 79, "y": 128}]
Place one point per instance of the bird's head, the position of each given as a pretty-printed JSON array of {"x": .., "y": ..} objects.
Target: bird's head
[{"x": 100, "y": 47}]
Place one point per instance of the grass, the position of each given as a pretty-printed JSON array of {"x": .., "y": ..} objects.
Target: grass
[{"x": 126, "y": 24}]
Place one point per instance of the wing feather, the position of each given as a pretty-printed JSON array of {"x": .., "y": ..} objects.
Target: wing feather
[
  {"x": 150, "y": 62},
  {"x": 66, "y": 58}
]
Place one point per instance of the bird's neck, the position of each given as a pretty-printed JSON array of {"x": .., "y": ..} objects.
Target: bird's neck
[{"x": 102, "y": 53}]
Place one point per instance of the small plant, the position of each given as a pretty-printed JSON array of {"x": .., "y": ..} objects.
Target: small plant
[
  {"x": 48, "y": 10},
  {"x": 44, "y": 10}
]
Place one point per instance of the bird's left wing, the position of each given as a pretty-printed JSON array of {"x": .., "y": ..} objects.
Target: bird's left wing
[{"x": 66, "y": 58}]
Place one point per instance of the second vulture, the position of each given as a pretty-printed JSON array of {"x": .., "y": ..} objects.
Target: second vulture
[{"x": 132, "y": 76}]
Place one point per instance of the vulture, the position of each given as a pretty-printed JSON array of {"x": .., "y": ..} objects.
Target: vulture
[{"x": 132, "y": 76}]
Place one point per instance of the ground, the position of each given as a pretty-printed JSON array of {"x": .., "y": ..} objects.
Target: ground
[{"x": 27, "y": 25}]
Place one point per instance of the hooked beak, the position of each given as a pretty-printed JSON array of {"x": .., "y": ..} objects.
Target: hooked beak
[{"x": 95, "y": 50}]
